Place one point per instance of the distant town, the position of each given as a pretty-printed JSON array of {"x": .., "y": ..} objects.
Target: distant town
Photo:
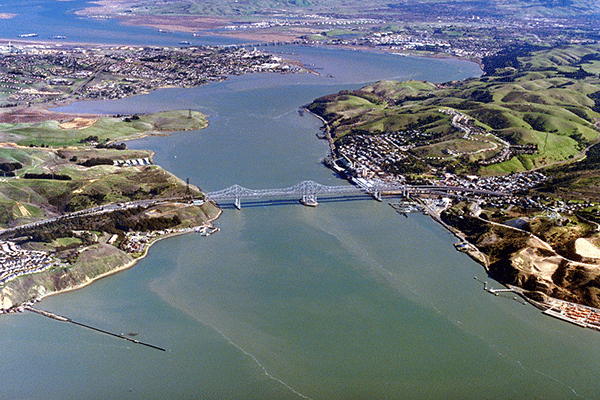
[{"x": 33, "y": 74}]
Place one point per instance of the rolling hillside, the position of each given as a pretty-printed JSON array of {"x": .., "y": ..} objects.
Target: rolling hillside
[{"x": 546, "y": 98}]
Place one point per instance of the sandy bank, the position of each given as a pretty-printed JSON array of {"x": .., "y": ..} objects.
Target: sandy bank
[{"x": 585, "y": 248}]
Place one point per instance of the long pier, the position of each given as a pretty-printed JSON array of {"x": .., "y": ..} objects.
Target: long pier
[{"x": 65, "y": 319}]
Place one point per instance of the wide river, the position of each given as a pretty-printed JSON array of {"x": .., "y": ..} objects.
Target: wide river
[{"x": 348, "y": 300}]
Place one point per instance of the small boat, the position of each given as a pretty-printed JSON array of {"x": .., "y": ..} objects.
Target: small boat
[
  {"x": 184, "y": 42},
  {"x": 59, "y": 37},
  {"x": 28, "y": 35}
]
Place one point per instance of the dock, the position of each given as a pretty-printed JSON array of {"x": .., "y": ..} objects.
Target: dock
[{"x": 576, "y": 314}]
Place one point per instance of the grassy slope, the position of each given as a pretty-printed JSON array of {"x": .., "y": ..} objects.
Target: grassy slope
[
  {"x": 26, "y": 200},
  {"x": 89, "y": 186},
  {"x": 534, "y": 105},
  {"x": 50, "y": 133}
]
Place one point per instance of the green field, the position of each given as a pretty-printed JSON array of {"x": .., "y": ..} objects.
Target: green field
[
  {"x": 93, "y": 177},
  {"x": 50, "y": 133}
]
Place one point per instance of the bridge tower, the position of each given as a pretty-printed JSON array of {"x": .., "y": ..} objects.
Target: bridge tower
[
  {"x": 238, "y": 200},
  {"x": 309, "y": 194}
]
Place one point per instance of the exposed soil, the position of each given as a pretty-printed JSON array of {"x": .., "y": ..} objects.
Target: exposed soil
[
  {"x": 176, "y": 23},
  {"x": 32, "y": 115},
  {"x": 586, "y": 249},
  {"x": 78, "y": 123}
]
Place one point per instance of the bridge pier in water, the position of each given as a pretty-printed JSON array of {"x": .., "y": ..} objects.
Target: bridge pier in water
[
  {"x": 309, "y": 200},
  {"x": 377, "y": 195}
]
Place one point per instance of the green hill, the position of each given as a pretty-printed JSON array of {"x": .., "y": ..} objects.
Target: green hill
[{"x": 549, "y": 98}]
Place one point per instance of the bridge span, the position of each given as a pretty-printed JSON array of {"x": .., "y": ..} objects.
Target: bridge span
[{"x": 309, "y": 191}]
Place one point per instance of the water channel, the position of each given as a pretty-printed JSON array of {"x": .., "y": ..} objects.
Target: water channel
[{"x": 348, "y": 300}]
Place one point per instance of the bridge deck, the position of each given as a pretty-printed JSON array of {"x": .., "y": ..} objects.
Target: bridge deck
[{"x": 309, "y": 191}]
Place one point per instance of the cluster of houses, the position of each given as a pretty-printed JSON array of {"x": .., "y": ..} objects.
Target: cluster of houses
[
  {"x": 512, "y": 183},
  {"x": 372, "y": 155},
  {"x": 116, "y": 72},
  {"x": 150, "y": 68},
  {"x": 404, "y": 41},
  {"x": 15, "y": 261},
  {"x": 136, "y": 242},
  {"x": 133, "y": 162},
  {"x": 307, "y": 20}
]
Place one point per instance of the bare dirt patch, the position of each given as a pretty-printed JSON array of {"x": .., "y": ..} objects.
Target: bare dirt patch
[
  {"x": 102, "y": 7},
  {"x": 176, "y": 23},
  {"x": 585, "y": 248},
  {"x": 33, "y": 115},
  {"x": 24, "y": 212},
  {"x": 78, "y": 123},
  {"x": 197, "y": 24}
]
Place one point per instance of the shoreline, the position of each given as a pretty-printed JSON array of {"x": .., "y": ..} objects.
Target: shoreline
[
  {"x": 578, "y": 314},
  {"x": 214, "y": 26},
  {"x": 120, "y": 268}
]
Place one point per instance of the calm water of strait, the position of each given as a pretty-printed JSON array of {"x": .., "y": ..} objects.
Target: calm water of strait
[{"x": 345, "y": 301}]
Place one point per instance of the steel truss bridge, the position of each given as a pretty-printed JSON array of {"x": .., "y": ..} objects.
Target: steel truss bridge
[{"x": 308, "y": 192}]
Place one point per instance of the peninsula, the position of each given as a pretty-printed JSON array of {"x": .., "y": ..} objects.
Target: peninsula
[{"x": 76, "y": 203}]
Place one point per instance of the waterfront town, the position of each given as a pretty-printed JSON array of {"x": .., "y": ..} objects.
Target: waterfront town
[
  {"x": 16, "y": 261},
  {"x": 139, "y": 242},
  {"x": 42, "y": 73}
]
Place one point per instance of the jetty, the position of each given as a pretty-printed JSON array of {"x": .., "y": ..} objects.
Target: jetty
[{"x": 69, "y": 320}]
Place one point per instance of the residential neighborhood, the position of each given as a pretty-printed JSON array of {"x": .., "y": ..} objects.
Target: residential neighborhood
[
  {"x": 15, "y": 261},
  {"x": 55, "y": 72}
]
